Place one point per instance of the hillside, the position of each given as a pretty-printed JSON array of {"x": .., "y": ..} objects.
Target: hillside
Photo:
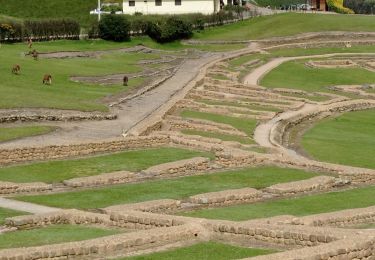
[
  {"x": 77, "y": 9},
  {"x": 288, "y": 24}
]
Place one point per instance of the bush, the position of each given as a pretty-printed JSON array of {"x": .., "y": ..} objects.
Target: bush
[
  {"x": 338, "y": 7},
  {"x": 114, "y": 28},
  {"x": 173, "y": 28},
  {"x": 361, "y": 6}
]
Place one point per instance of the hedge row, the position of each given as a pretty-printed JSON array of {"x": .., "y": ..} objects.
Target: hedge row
[
  {"x": 361, "y": 6},
  {"x": 13, "y": 31}
]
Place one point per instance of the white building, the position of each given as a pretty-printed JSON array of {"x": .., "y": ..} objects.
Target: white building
[{"x": 172, "y": 6}]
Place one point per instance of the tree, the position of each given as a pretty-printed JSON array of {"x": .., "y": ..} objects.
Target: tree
[{"x": 114, "y": 28}]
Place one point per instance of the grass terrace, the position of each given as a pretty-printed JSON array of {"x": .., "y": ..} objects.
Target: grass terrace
[
  {"x": 242, "y": 124},
  {"x": 302, "y": 206},
  {"x": 223, "y": 137},
  {"x": 51, "y": 235},
  {"x": 170, "y": 189},
  {"x": 57, "y": 171},
  {"x": 286, "y": 25},
  {"x": 11, "y": 133},
  {"x": 348, "y": 139},
  {"x": 237, "y": 104},
  {"x": 8, "y": 213},
  {"x": 205, "y": 251},
  {"x": 294, "y": 75}
]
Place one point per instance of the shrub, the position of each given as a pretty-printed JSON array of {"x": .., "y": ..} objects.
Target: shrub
[
  {"x": 338, "y": 7},
  {"x": 171, "y": 29},
  {"x": 361, "y": 6},
  {"x": 52, "y": 29},
  {"x": 114, "y": 28}
]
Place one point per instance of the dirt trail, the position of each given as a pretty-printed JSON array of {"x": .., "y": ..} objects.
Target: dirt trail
[{"x": 25, "y": 206}]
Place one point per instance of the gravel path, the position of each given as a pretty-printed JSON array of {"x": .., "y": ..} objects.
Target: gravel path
[{"x": 25, "y": 206}]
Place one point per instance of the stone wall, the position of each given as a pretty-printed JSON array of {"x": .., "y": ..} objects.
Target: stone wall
[
  {"x": 356, "y": 247},
  {"x": 315, "y": 184},
  {"x": 101, "y": 179},
  {"x": 36, "y": 115},
  {"x": 341, "y": 218},
  {"x": 182, "y": 167},
  {"x": 227, "y": 197},
  {"x": 10, "y": 187},
  {"x": 9, "y": 156},
  {"x": 114, "y": 245},
  {"x": 154, "y": 206}
]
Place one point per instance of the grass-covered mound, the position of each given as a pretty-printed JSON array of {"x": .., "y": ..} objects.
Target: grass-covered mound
[
  {"x": 57, "y": 171},
  {"x": 170, "y": 189},
  {"x": 205, "y": 251},
  {"x": 8, "y": 213},
  {"x": 287, "y": 24},
  {"x": 348, "y": 139},
  {"x": 307, "y": 205},
  {"x": 51, "y": 235}
]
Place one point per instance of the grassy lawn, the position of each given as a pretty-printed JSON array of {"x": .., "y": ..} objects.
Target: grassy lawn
[
  {"x": 170, "y": 189},
  {"x": 26, "y": 89},
  {"x": 242, "y": 124},
  {"x": 8, "y": 213},
  {"x": 11, "y": 133},
  {"x": 205, "y": 251},
  {"x": 51, "y": 235},
  {"x": 57, "y": 171},
  {"x": 295, "y": 75},
  {"x": 307, "y": 205},
  {"x": 348, "y": 139},
  {"x": 224, "y": 137},
  {"x": 287, "y": 24},
  {"x": 293, "y": 52},
  {"x": 277, "y": 3},
  {"x": 237, "y": 104}
]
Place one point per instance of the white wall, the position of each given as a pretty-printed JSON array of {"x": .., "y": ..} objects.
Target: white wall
[{"x": 169, "y": 7}]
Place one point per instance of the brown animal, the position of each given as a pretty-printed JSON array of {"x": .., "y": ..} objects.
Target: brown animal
[
  {"x": 16, "y": 69},
  {"x": 34, "y": 54},
  {"x": 47, "y": 79},
  {"x": 30, "y": 43},
  {"x": 126, "y": 80}
]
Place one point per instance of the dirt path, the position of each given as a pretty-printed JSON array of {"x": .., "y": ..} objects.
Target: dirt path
[{"x": 25, "y": 206}]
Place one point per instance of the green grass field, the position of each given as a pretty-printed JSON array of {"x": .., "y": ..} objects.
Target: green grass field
[
  {"x": 204, "y": 251},
  {"x": 286, "y": 25},
  {"x": 223, "y": 137},
  {"x": 295, "y": 75},
  {"x": 236, "y": 104},
  {"x": 277, "y": 3},
  {"x": 8, "y": 213},
  {"x": 242, "y": 124},
  {"x": 11, "y": 133},
  {"x": 51, "y": 235},
  {"x": 170, "y": 189},
  {"x": 307, "y": 205},
  {"x": 57, "y": 171},
  {"x": 348, "y": 139}
]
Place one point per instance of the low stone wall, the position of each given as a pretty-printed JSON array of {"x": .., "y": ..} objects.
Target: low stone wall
[
  {"x": 356, "y": 247},
  {"x": 36, "y": 115},
  {"x": 11, "y": 187},
  {"x": 69, "y": 216},
  {"x": 182, "y": 167},
  {"x": 227, "y": 197},
  {"x": 9, "y": 156},
  {"x": 280, "y": 235},
  {"x": 239, "y": 158},
  {"x": 341, "y": 218},
  {"x": 146, "y": 220},
  {"x": 101, "y": 179},
  {"x": 114, "y": 245},
  {"x": 154, "y": 206},
  {"x": 318, "y": 183}
]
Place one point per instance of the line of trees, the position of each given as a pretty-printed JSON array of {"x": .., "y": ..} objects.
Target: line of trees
[{"x": 361, "y": 6}]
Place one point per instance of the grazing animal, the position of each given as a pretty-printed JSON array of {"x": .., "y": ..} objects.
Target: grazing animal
[
  {"x": 126, "y": 80},
  {"x": 30, "y": 43},
  {"x": 35, "y": 54},
  {"x": 16, "y": 69},
  {"x": 47, "y": 79}
]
